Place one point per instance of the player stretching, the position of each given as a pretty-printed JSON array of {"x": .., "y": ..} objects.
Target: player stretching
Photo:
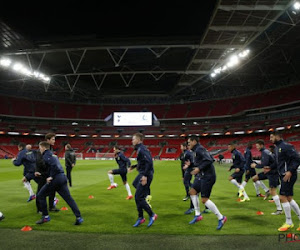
[
  {"x": 238, "y": 165},
  {"x": 123, "y": 163},
  {"x": 143, "y": 181},
  {"x": 270, "y": 172},
  {"x": 206, "y": 178},
  {"x": 288, "y": 161}
]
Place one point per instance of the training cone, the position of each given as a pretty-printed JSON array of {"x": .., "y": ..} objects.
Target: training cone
[
  {"x": 91, "y": 197},
  {"x": 259, "y": 213},
  {"x": 64, "y": 208},
  {"x": 26, "y": 228}
]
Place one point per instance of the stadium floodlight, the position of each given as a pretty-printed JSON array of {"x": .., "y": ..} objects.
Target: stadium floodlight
[
  {"x": 217, "y": 71},
  {"x": 239, "y": 132},
  {"x": 260, "y": 130},
  {"x": 83, "y": 135},
  {"x": 74, "y": 123},
  {"x": 244, "y": 53},
  {"x": 297, "y": 6},
  {"x": 280, "y": 128},
  {"x": 17, "y": 67},
  {"x": 60, "y": 135},
  {"x": 217, "y": 133},
  {"x": 195, "y": 123},
  {"x": 233, "y": 60},
  {"x": 37, "y": 134},
  {"x": 183, "y": 124},
  {"x": 21, "y": 69},
  {"x": 105, "y": 136},
  {"x": 13, "y": 133},
  {"x": 149, "y": 136},
  {"x": 127, "y": 136},
  {"x": 297, "y": 125},
  {"x": 5, "y": 62}
]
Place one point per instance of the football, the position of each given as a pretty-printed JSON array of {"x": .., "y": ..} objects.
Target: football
[{"x": 1, "y": 216}]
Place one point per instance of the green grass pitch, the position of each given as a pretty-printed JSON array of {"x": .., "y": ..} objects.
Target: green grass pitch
[{"x": 110, "y": 213}]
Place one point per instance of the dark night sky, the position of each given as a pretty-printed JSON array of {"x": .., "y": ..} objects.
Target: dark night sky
[{"x": 126, "y": 20}]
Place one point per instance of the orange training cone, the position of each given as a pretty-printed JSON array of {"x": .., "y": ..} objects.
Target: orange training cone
[
  {"x": 64, "y": 208},
  {"x": 259, "y": 213},
  {"x": 26, "y": 228},
  {"x": 91, "y": 197}
]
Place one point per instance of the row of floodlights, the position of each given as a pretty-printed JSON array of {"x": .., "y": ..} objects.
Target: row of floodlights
[
  {"x": 159, "y": 136},
  {"x": 21, "y": 69},
  {"x": 233, "y": 61}
]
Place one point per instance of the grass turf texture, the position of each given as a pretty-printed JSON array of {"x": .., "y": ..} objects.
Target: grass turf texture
[{"x": 110, "y": 213}]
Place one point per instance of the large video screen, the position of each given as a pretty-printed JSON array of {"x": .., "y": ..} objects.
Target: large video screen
[{"x": 132, "y": 119}]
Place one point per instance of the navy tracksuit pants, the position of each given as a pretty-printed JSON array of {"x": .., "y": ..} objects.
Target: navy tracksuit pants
[
  {"x": 141, "y": 194},
  {"x": 58, "y": 184}
]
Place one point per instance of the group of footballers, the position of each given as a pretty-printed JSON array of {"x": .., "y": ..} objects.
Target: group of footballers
[
  {"x": 279, "y": 167},
  {"x": 43, "y": 167}
]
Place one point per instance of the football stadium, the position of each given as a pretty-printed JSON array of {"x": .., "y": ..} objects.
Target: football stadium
[{"x": 143, "y": 126}]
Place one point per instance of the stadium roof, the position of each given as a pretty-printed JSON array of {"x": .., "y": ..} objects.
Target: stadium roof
[{"x": 151, "y": 53}]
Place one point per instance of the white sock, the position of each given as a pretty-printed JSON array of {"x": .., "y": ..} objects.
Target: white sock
[
  {"x": 287, "y": 210},
  {"x": 256, "y": 186},
  {"x": 28, "y": 187},
  {"x": 244, "y": 183},
  {"x": 214, "y": 209},
  {"x": 234, "y": 182},
  {"x": 263, "y": 186},
  {"x": 111, "y": 178},
  {"x": 277, "y": 202},
  {"x": 295, "y": 207},
  {"x": 195, "y": 200},
  {"x": 128, "y": 189}
]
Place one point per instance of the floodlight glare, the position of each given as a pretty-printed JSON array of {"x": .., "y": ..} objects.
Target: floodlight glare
[
  {"x": 5, "y": 62},
  {"x": 20, "y": 68},
  {"x": 297, "y": 6}
]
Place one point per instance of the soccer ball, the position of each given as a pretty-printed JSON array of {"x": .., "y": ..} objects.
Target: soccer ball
[{"x": 1, "y": 216}]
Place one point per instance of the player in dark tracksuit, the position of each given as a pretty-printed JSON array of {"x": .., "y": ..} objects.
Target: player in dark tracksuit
[
  {"x": 270, "y": 172},
  {"x": 56, "y": 181},
  {"x": 70, "y": 162},
  {"x": 123, "y": 163},
  {"x": 27, "y": 159},
  {"x": 143, "y": 181},
  {"x": 186, "y": 157},
  {"x": 288, "y": 161},
  {"x": 239, "y": 166},
  {"x": 250, "y": 172},
  {"x": 204, "y": 180},
  {"x": 41, "y": 173}
]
